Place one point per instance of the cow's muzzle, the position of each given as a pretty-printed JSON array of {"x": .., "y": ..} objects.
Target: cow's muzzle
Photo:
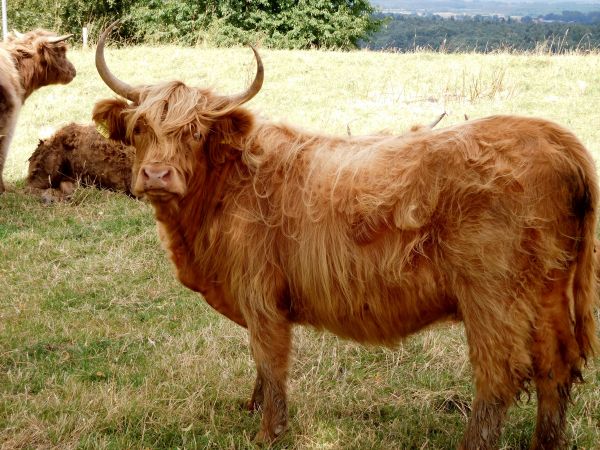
[
  {"x": 68, "y": 74},
  {"x": 158, "y": 180}
]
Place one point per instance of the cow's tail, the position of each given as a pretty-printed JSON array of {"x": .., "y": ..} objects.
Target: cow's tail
[{"x": 585, "y": 289}]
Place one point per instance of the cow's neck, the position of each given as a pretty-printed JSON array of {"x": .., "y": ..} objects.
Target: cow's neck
[
  {"x": 185, "y": 230},
  {"x": 28, "y": 76},
  {"x": 186, "y": 224},
  {"x": 179, "y": 242}
]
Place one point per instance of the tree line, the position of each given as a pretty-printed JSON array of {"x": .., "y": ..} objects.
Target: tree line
[
  {"x": 571, "y": 17},
  {"x": 274, "y": 23}
]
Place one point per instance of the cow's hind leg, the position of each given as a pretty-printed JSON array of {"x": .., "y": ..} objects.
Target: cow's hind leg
[
  {"x": 499, "y": 338},
  {"x": 556, "y": 364},
  {"x": 271, "y": 344}
]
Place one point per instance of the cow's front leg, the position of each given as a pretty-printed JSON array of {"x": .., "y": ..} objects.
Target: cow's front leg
[
  {"x": 4, "y": 142},
  {"x": 270, "y": 341},
  {"x": 8, "y": 121},
  {"x": 257, "y": 399}
]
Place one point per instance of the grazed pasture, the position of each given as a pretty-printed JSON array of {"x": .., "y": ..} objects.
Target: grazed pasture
[{"x": 100, "y": 347}]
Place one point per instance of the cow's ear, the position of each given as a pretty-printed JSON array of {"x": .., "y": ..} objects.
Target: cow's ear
[
  {"x": 108, "y": 115},
  {"x": 235, "y": 126}
]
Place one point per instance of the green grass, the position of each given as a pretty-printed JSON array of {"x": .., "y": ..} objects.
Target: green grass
[{"x": 100, "y": 347}]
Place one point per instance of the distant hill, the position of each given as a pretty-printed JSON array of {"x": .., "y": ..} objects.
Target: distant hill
[
  {"x": 408, "y": 32},
  {"x": 487, "y": 7}
]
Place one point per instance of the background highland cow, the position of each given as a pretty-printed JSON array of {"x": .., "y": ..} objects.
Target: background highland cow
[
  {"x": 79, "y": 154},
  {"x": 28, "y": 62}
]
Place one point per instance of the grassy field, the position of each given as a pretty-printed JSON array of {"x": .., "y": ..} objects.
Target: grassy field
[{"x": 100, "y": 347}]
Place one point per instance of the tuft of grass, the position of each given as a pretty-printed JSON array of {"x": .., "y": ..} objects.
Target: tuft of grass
[{"x": 100, "y": 347}]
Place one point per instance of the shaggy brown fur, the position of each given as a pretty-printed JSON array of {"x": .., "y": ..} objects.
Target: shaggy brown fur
[
  {"x": 27, "y": 63},
  {"x": 79, "y": 154},
  {"x": 376, "y": 237}
]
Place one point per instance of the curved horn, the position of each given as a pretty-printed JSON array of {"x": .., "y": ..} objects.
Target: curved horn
[
  {"x": 118, "y": 86},
  {"x": 253, "y": 89},
  {"x": 57, "y": 39},
  {"x": 17, "y": 34}
]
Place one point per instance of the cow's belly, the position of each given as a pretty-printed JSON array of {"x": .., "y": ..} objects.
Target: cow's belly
[{"x": 383, "y": 317}]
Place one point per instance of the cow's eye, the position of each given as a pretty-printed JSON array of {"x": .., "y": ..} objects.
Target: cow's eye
[{"x": 197, "y": 135}]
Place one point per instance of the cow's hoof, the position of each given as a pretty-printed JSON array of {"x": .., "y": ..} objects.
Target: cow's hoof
[
  {"x": 269, "y": 437},
  {"x": 67, "y": 188},
  {"x": 249, "y": 405},
  {"x": 262, "y": 438}
]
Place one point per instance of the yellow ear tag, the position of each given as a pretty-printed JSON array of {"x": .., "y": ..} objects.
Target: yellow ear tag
[{"x": 103, "y": 129}]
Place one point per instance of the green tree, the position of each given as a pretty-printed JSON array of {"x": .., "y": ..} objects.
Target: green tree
[
  {"x": 275, "y": 23},
  {"x": 64, "y": 16},
  {"x": 180, "y": 21}
]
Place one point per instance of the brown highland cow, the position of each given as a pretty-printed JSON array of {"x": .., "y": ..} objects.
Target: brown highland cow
[{"x": 375, "y": 237}]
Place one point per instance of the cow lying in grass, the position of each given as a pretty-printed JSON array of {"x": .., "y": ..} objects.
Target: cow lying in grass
[
  {"x": 79, "y": 154},
  {"x": 28, "y": 62},
  {"x": 376, "y": 237}
]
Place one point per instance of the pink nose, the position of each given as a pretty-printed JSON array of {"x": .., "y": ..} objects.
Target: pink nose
[{"x": 156, "y": 176}]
